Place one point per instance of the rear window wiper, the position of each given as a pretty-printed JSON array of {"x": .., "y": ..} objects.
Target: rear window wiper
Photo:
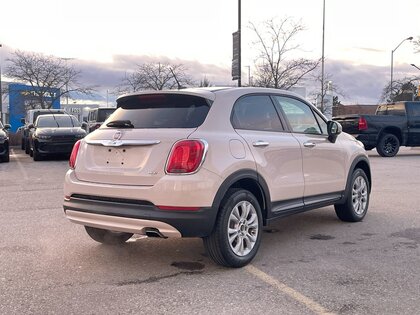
[{"x": 120, "y": 124}]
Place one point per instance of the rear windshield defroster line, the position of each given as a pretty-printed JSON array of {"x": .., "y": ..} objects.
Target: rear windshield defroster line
[{"x": 162, "y": 110}]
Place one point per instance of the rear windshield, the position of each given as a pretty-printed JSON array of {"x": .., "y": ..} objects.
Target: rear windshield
[
  {"x": 392, "y": 109},
  {"x": 162, "y": 110}
]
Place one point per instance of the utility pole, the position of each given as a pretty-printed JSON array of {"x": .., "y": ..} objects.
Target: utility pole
[
  {"x": 323, "y": 57},
  {"x": 239, "y": 31},
  {"x": 1, "y": 91}
]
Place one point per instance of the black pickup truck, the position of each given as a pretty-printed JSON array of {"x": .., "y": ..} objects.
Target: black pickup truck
[{"x": 393, "y": 125}]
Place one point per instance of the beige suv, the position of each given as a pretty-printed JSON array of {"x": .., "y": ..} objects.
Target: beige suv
[{"x": 215, "y": 163}]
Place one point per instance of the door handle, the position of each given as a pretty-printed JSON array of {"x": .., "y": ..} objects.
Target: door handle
[
  {"x": 309, "y": 144},
  {"x": 260, "y": 143}
]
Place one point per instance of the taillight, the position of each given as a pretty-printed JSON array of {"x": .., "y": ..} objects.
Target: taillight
[
  {"x": 186, "y": 157},
  {"x": 362, "y": 123},
  {"x": 73, "y": 155}
]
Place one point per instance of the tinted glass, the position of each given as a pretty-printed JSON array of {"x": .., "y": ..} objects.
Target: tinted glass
[
  {"x": 57, "y": 121},
  {"x": 392, "y": 109},
  {"x": 103, "y": 114},
  {"x": 299, "y": 115},
  {"x": 256, "y": 113},
  {"x": 162, "y": 111}
]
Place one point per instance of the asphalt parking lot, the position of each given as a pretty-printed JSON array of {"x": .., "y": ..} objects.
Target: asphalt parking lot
[{"x": 310, "y": 263}]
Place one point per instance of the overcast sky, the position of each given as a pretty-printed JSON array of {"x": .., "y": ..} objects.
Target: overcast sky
[{"x": 107, "y": 38}]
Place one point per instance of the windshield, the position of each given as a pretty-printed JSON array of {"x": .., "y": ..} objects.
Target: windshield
[
  {"x": 54, "y": 121},
  {"x": 162, "y": 111},
  {"x": 1, "y": 125}
]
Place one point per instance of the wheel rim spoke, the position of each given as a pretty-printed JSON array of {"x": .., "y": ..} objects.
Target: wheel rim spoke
[
  {"x": 243, "y": 228},
  {"x": 359, "y": 195}
]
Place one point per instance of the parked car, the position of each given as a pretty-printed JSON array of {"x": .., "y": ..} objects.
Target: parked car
[
  {"x": 4, "y": 143},
  {"x": 54, "y": 134},
  {"x": 30, "y": 118},
  {"x": 216, "y": 163},
  {"x": 393, "y": 125},
  {"x": 97, "y": 116}
]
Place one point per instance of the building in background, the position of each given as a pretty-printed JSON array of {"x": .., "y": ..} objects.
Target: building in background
[{"x": 22, "y": 97}]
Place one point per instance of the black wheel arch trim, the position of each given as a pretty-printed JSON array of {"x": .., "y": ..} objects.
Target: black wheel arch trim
[
  {"x": 245, "y": 174},
  {"x": 356, "y": 161}
]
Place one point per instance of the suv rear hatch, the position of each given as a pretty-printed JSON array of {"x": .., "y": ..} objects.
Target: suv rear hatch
[{"x": 132, "y": 146}]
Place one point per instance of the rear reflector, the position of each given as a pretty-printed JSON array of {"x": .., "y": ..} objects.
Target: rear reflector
[
  {"x": 186, "y": 156},
  {"x": 73, "y": 155},
  {"x": 170, "y": 208}
]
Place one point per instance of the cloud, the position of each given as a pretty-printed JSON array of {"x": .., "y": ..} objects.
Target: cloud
[
  {"x": 361, "y": 83},
  {"x": 109, "y": 75},
  {"x": 370, "y": 49}
]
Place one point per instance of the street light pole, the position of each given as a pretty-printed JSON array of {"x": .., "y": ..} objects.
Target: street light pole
[
  {"x": 415, "y": 66},
  {"x": 1, "y": 91},
  {"x": 239, "y": 33},
  {"x": 323, "y": 58},
  {"x": 392, "y": 61}
]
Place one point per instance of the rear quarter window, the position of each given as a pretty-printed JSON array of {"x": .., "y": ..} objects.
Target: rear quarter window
[{"x": 162, "y": 110}]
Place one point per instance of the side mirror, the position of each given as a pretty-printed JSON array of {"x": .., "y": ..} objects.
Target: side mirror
[
  {"x": 22, "y": 120},
  {"x": 334, "y": 129},
  {"x": 31, "y": 126},
  {"x": 7, "y": 126},
  {"x": 84, "y": 125}
]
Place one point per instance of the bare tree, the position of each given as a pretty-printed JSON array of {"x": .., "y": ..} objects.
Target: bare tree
[
  {"x": 205, "y": 82},
  {"x": 405, "y": 89},
  {"x": 50, "y": 77},
  {"x": 329, "y": 87},
  {"x": 417, "y": 44},
  {"x": 273, "y": 66},
  {"x": 155, "y": 76}
]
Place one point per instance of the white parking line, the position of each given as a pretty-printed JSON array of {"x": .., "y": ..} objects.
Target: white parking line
[
  {"x": 22, "y": 170},
  {"x": 309, "y": 303}
]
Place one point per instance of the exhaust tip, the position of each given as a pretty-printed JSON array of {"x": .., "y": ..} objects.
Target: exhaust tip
[{"x": 153, "y": 232}]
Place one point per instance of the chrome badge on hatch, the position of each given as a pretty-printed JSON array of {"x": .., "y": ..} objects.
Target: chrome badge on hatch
[{"x": 117, "y": 135}]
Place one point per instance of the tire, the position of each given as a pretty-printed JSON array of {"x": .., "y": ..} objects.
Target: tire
[
  {"x": 108, "y": 237},
  {"x": 244, "y": 229},
  {"x": 27, "y": 147},
  {"x": 35, "y": 154},
  {"x": 357, "y": 203},
  {"x": 388, "y": 145},
  {"x": 6, "y": 158},
  {"x": 22, "y": 144}
]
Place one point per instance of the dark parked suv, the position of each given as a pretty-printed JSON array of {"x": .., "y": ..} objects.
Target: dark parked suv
[{"x": 55, "y": 133}]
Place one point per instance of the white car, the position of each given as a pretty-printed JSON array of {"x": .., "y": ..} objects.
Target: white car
[{"x": 215, "y": 163}]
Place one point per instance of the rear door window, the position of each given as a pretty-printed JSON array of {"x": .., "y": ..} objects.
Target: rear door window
[
  {"x": 256, "y": 112},
  {"x": 162, "y": 110}
]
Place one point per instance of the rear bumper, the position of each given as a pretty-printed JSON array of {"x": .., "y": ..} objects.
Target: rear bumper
[
  {"x": 136, "y": 216},
  {"x": 369, "y": 140}
]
